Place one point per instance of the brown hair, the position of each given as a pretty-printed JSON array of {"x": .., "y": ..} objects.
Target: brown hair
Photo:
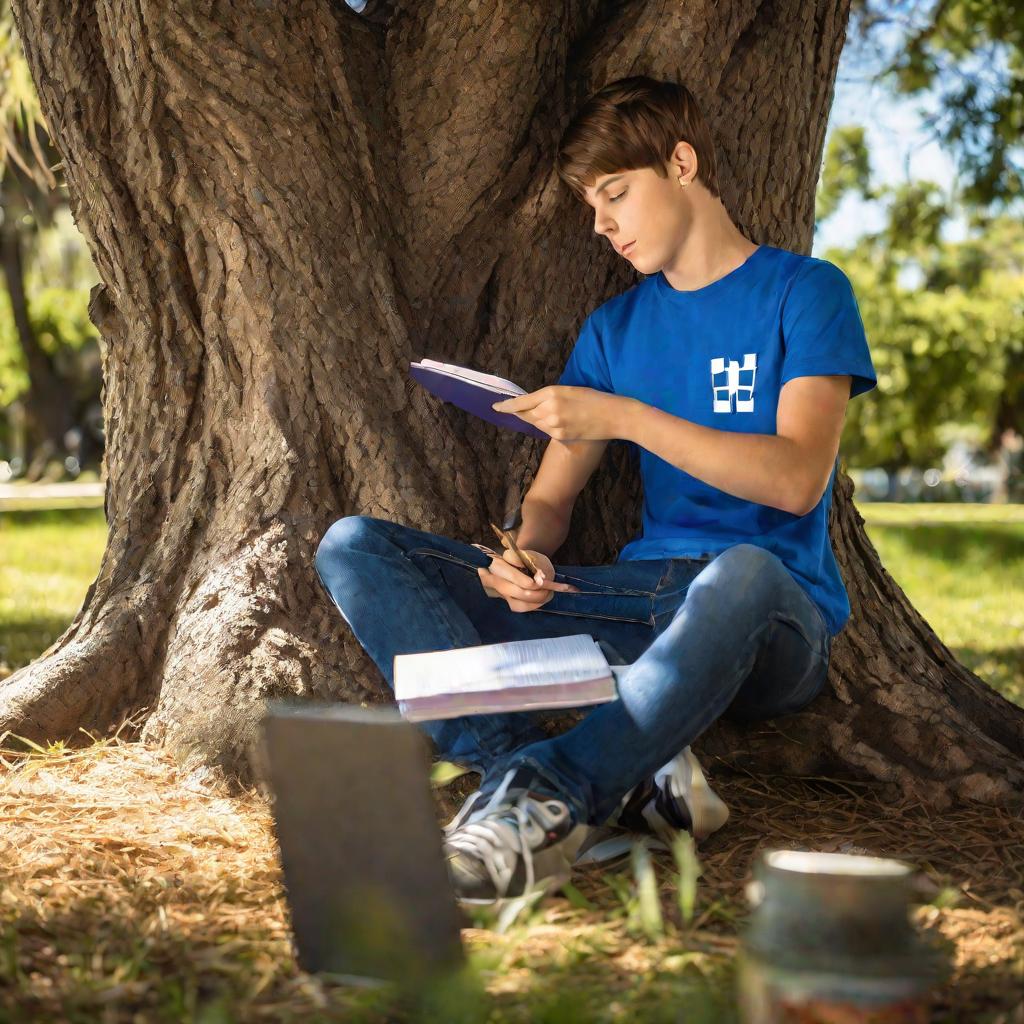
[{"x": 633, "y": 123}]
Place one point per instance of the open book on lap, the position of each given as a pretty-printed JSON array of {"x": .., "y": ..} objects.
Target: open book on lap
[
  {"x": 473, "y": 391},
  {"x": 521, "y": 675}
]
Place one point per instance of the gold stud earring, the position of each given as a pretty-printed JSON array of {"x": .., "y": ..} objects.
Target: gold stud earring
[{"x": 682, "y": 184}]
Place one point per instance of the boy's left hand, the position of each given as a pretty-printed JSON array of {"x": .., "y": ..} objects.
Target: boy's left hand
[{"x": 569, "y": 413}]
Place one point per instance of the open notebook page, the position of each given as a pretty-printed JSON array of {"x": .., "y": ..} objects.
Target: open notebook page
[{"x": 515, "y": 664}]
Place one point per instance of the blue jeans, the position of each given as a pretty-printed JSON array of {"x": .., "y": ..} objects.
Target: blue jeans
[{"x": 726, "y": 634}]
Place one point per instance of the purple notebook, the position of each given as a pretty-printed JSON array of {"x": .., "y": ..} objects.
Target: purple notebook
[{"x": 473, "y": 391}]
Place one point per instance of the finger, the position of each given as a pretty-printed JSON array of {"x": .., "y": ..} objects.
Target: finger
[
  {"x": 548, "y": 587},
  {"x": 524, "y": 606},
  {"x": 539, "y": 579},
  {"x": 506, "y": 587},
  {"x": 519, "y": 403},
  {"x": 566, "y": 588},
  {"x": 508, "y": 405},
  {"x": 541, "y": 598},
  {"x": 519, "y": 562},
  {"x": 509, "y": 572},
  {"x": 545, "y": 583},
  {"x": 531, "y": 601},
  {"x": 544, "y": 579}
]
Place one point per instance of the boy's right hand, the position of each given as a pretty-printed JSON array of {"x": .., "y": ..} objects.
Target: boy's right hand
[{"x": 508, "y": 578}]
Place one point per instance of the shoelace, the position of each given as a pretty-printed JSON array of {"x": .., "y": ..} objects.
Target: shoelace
[
  {"x": 466, "y": 811},
  {"x": 489, "y": 838},
  {"x": 492, "y": 842}
]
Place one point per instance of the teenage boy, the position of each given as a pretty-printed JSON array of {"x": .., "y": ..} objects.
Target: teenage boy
[{"x": 726, "y": 370}]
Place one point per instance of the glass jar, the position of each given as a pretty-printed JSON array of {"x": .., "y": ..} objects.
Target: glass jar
[{"x": 830, "y": 941}]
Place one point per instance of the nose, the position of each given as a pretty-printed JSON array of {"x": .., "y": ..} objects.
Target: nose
[{"x": 601, "y": 224}]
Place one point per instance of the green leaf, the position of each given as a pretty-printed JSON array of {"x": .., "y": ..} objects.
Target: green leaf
[
  {"x": 443, "y": 772},
  {"x": 688, "y": 870},
  {"x": 648, "y": 905},
  {"x": 576, "y": 898}
]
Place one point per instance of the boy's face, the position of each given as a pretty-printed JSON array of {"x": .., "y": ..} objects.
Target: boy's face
[{"x": 641, "y": 207}]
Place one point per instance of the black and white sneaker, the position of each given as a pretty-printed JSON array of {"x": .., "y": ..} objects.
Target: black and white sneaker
[
  {"x": 515, "y": 842},
  {"x": 677, "y": 798}
]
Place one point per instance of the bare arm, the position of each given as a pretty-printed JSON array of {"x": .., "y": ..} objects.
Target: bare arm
[
  {"x": 564, "y": 470},
  {"x": 788, "y": 470},
  {"x": 546, "y": 513}
]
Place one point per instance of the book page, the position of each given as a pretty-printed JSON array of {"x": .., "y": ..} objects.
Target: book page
[
  {"x": 490, "y": 701},
  {"x": 477, "y": 376},
  {"x": 518, "y": 663}
]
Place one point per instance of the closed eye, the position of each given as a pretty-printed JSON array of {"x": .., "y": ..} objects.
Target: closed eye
[{"x": 619, "y": 196}]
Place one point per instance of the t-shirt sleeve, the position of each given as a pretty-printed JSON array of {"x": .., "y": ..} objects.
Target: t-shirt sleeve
[
  {"x": 587, "y": 366},
  {"x": 822, "y": 329}
]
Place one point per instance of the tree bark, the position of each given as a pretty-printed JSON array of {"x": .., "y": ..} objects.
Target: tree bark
[{"x": 287, "y": 203}]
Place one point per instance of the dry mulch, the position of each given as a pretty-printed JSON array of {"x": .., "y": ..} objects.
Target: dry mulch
[{"x": 135, "y": 890}]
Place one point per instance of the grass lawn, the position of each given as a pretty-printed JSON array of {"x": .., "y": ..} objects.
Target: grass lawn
[
  {"x": 131, "y": 890},
  {"x": 48, "y": 561},
  {"x": 962, "y": 566}
]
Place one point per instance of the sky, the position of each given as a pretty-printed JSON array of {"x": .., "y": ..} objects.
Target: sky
[{"x": 899, "y": 146}]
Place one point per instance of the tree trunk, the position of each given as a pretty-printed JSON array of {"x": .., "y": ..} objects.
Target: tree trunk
[
  {"x": 287, "y": 203},
  {"x": 46, "y": 403}
]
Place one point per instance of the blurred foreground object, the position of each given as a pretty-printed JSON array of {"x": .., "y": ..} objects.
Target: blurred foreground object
[
  {"x": 366, "y": 884},
  {"x": 830, "y": 942}
]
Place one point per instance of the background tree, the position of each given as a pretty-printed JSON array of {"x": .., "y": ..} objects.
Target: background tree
[
  {"x": 945, "y": 318},
  {"x": 970, "y": 54},
  {"x": 287, "y": 203},
  {"x": 28, "y": 197},
  {"x": 968, "y": 57}
]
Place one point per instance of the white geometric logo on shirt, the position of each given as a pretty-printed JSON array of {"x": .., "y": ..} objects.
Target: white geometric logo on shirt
[{"x": 730, "y": 380}]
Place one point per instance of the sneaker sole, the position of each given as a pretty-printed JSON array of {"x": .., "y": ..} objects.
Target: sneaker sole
[
  {"x": 619, "y": 845},
  {"x": 611, "y": 849},
  {"x": 497, "y": 905}
]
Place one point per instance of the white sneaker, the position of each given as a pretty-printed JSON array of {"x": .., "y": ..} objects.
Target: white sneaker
[
  {"x": 677, "y": 798},
  {"x": 516, "y": 843}
]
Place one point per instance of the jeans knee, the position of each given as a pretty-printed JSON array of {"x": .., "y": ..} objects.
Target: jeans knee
[
  {"x": 343, "y": 535},
  {"x": 741, "y": 573},
  {"x": 745, "y": 559}
]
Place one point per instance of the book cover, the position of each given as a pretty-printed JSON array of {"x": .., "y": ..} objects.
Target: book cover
[{"x": 473, "y": 391}]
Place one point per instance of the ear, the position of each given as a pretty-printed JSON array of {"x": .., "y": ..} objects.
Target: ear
[{"x": 684, "y": 161}]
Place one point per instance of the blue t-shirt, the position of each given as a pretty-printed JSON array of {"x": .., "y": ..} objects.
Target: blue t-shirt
[{"x": 719, "y": 356}]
